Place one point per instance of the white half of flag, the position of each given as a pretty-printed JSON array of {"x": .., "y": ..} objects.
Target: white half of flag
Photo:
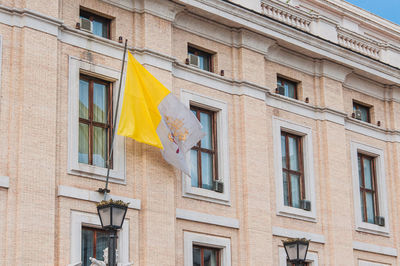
[{"x": 179, "y": 130}]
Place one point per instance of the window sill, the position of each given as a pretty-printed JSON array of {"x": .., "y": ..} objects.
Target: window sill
[
  {"x": 91, "y": 36},
  {"x": 373, "y": 229},
  {"x": 363, "y": 123},
  {"x": 206, "y": 195},
  {"x": 98, "y": 173},
  {"x": 297, "y": 213},
  {"x": 202, "y": 72},
  {"x": 287, "y": 98}
]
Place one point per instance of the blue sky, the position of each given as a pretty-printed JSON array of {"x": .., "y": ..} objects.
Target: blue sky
[{"x": 388, "y": 9}]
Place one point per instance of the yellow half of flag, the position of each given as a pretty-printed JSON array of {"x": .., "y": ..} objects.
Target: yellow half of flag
[{"x": 140, "y": 116}]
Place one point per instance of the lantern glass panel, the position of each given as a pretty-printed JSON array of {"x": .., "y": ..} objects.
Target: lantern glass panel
[
  {"x": 118, "y": 216},
  {"x": 105, "y": 216},
  {"x": 303, "y": 250},
  {"x": 291, "y": 250}
]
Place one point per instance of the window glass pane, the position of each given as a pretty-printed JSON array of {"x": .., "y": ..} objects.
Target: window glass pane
[
  {"x": 98, "y": 28},
  {"x": 295, "y": 186},
  {"x": 206, "y": 141},
  {"x": 83, "y": 150},
  {"x": 362, "y": 205},
  {"x": 87, "y": 246},
  {"x": 196, "y": 256},
  {"x": 364, "y": 113},
  {"x": 193, "y": 168},
  {"x": 283, "y": 149},
  {"x": 99, "y": 146},
  {"x": 205, "y": 62},
  {"x": 83, "y": 99},
  {"x": 367, "y": 173},
  {"x": 101, "y": 244},
  {"x": 99, "y": 102},
  {"x": 285, "y": 189},
  {"x": 370, "y": 208},
  {"x": 364, "y": 110},
  {"x": 360, "y": 171},
  {"x": 201, "y": 61},
  {"x": 206, "y": 170},
  {"x": 290, "y": 90},
  {"x": 293, "y": 153},
  {"x": 286, "y": 88},
  {"x": 210, "y": 257}
]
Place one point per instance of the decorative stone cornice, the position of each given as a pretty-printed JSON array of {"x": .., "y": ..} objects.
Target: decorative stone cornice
[
  {"x": 4, "y": 182},
  {"x": 287, "y": 14},
  {"x": 359, "y": 43}
]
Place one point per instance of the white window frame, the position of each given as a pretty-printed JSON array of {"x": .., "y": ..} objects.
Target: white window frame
[
  {"x": 79, "y": 219},
  {"x": 222, "y": 243},
  {"x": 312, "y": 257},
  {"x": 369, "y": 263},
  {"x": 378, "y": 154},
  {"x": 221, "y": 109},
  {"x": 308, "y": 154},
  {"x": 76, "y": 67}
]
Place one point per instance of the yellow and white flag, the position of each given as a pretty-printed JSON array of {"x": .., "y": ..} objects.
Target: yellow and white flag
[{"x": 151, "y": 114}]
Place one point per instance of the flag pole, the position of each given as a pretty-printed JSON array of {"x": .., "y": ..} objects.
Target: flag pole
[{"x": 105, "y": 190}]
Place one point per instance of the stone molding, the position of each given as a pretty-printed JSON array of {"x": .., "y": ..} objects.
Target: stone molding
[
  {"x": 93, "y": 196},
  {"x": 369, "y": 263},
  {"x": 4, "y": 182},
  {"x": 388, "y": 251},
  {"x": 279, "y": 125},
  {"x": 378, "y": 153},
  {"x": 289, "y": 233},
  {"x": 207, "y": 218},
  {"x": 77, "y": 66},
  {"x": 221, "y": 111}
]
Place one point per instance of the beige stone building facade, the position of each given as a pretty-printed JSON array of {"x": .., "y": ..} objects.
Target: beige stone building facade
[{"x": 305, "y": 102}]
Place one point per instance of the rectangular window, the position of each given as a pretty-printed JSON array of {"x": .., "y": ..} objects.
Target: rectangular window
[
  {"x": 286, "y": 88},
  {"x": 96, "y": 24},
  {"x": 292, "y": 170},
  {"x": 368, "y": 192},
  {"x": 95, "y": 121},
  {"x": 94, "y": 241},
  {"x": 203, "y": 155},
  {"x": 200, "y": 58},
  {"x": 206, "y": 256},
  {"x": 361, "y": 112}
]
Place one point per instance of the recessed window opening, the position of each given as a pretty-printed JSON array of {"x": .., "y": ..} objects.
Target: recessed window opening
[
  {"x": 206, "y": 256},
  {"x": 200, "y": 59},
  {"x": 292, "y": 169},
  {"x": 368, "y": 191},
  {"x": 203, "y": 156},
  {"x": 362, "y": 112},
  {"x": 96, "y": 24},
  {"x": 287, "y": 88},
  {"x": 94, "y": 241},
  {"x": 95, "y": 121}
]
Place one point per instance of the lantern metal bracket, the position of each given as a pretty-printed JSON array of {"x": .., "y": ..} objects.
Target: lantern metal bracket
[{"x": 103, "y": 190}]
